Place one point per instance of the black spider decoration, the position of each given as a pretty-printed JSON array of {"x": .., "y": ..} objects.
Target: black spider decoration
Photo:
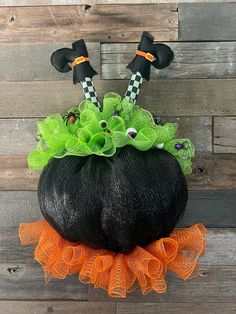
[
  {"x": 157, "y": 120},
  {"x": 71, "y": 116}
]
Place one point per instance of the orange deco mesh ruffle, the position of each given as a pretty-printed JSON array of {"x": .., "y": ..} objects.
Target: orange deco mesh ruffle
[{"x": 116, "y": 272}]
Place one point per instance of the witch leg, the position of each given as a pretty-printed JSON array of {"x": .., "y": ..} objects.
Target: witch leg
[
  {"x": 148, "y": 54},
  {"x": 65, "y": 59},
  {"x": 90, "y": 92},
  {"x": 134, "y": 87}
]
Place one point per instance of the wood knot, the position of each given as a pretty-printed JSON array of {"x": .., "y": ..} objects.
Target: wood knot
[
  {"x": 199, "y": 170},
  {"x": 11, "y": 18},
  {"x": 50, "y": 309},
  {"x": 203, "y": 274},
  {"x": 87, "y": 7},
  {"x": 14, "y": 270}
]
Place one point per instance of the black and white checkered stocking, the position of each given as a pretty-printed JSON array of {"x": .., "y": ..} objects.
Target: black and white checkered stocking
[
  {"x": 134, "y": 87},
  {"x": 133, "y": 91},
  {"x": 89, "y": 91}
]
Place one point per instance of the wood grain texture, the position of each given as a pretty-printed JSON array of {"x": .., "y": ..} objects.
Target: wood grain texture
[
  {"x": 71, "y": 307},
  {"x": 192, "y": 60},
  {"x": 210, "y": 171},
  {"x": 17, "y": 136},
  {"x": 213, "y": 283},
  {"x": 198, "y": 129},
  {"x": 193, "y": 97},
  {"x": 26, "y": 281},
  {"x": 211, "y": 208},
  {"x": 213, "y": 172},
  {"x": 15, "y": 174},
  {"x": 90, "y": 2},
  {"x": 32, "y": 62},
  {"x": 224, "y": 140},
  {"x": 207, "y": 21},
  {"x": 100, "y": 23},
  {"x": 59, "y": 307},
  {"x": 214, "y": 208},
  {"x": 16, "y": 207},
  {"x": 175, "y": 308},
  {"x": 22, "y": 278},
  {"x": 22, "y": 133}
]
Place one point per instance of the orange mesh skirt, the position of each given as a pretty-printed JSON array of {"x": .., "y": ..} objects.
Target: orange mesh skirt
[{"x": 117, "y": 273}]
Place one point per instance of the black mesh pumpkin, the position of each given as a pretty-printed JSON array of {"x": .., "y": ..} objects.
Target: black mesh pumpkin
[{"x": 114, "y": 203}]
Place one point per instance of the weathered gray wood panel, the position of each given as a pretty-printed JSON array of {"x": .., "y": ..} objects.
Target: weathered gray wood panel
[
  {"x": 214, "y": 208},
  {"x": 71, "y": 307},
  {"x": 213, "y": 172},
  {"x": 192, "y": 60},
  {"x": 100, "y": 23},
  {"x": 90, "y": 2},
  {"x": 213, "y": 283},
  {"x": 22, "y": 133},
  {"x": 16, "y": 207},
  {"x": 26, "y": 281},
  {"x": 17, "y": 136},
  {"x": 194, "y": 97},
  {"x": 207, "y": 21},
  {"x": 210, "y": 171},
  {"x": 175, "y": 308},
  {"x": 198, "y": 129},
  {"x": 32, "y": 62},
  {"x": 60, "y": 307},
  {"x": 15, "y": 174},
  {"x": 224, "y": 140}
]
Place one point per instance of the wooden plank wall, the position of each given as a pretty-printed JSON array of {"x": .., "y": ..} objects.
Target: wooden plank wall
[{"x": 198, "y": 91}]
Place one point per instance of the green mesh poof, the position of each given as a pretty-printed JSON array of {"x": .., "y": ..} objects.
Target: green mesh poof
[
  {"x": 183, "y": 155},
  {"x": 101, "y": 133}
]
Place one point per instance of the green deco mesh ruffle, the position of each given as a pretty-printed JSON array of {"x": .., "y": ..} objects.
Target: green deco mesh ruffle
[{"x": 101, "y": 133}]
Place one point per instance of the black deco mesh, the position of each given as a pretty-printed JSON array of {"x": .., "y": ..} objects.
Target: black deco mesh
[{"x": 114, "y": 203}]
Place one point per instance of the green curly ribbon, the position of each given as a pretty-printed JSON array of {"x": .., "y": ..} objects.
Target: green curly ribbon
[{"x": 94, "y": 132}]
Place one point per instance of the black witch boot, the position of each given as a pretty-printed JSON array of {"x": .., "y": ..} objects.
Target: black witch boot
[
  {"x": 66, "y": 59},
  {"x": 147, "y": 54}
]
